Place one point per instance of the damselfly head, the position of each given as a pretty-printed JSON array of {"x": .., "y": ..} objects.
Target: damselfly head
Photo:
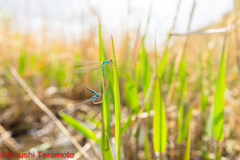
[{"x": 111, "y": 63}]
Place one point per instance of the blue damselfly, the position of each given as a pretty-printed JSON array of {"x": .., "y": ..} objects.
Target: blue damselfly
[{"x": 89, "y": 66}]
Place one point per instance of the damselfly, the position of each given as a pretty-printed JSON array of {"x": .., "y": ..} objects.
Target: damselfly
[
  {"x": 91, "y": 66},
  {"x": 74, "y": 107}
]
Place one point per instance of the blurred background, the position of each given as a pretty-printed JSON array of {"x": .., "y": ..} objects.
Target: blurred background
[
  {"x": 38, "y": 38},
  {"x": 75, "y": 20}
]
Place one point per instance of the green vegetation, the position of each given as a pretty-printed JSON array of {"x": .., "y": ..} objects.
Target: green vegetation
[{"x": 148, "y": 108}]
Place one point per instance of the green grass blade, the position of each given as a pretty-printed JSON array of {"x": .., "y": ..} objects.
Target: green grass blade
[
  {"x": 219, "y": 155},
  {"x": 182, "y": 68},
  {"x": 103, "y": 57},
  {"x": 145, "y": 74},
  {"x": 219, "y": 101},
  {"x": 107, "y": 148},
  {"x": 138, "y": 74},
  {"x": 204, "y": 151},
  {"x": 159, "y": 120},
  {"x": 137, "y": 133},
  {"x": 22, "y": 62},
  {"x": 209, "y": 64},
  {"x": 188, "y": 148},
  {"x": 145, "y": 69},
  {"x": 101, "y": 47},
  {"x": 131, "y": 94},
  {"x": 146, "y": 147},
  {"x": 107, "y": 151},
  {"x": 163, "y": 63},
  {"x": 117, "y": 107},
  {"x": 182, "y": 76},
  {"x": 218, "y": 152},
  {"x": 106, "y": 101},
  {"x": 210, "y": 123},
  {"x": 183, "y": 133},
  {"x": 187, "y": 123},
  {"x": 204, "y": 100},
  {"x": 180, "y": 122},
  {"x": 106, "y": 110},
  {"x": 81, "y": 128},
  {"x": 170, "y": 74},
  {"x": 126, "y": 124}
]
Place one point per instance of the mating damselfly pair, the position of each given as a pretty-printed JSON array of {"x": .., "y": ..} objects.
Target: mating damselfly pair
[{"x": 88, "y": 66}]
